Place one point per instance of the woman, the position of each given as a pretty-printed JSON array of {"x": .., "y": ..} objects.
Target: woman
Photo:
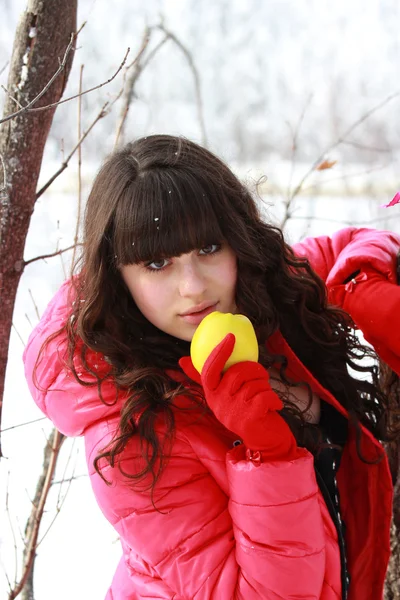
[{"x": 223, "y": 486}]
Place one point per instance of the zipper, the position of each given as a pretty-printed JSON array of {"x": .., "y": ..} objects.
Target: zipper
[{"x": 344, "y": 574}]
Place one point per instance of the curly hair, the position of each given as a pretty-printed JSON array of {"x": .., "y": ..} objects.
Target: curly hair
[{"x": 164, "y": 196}]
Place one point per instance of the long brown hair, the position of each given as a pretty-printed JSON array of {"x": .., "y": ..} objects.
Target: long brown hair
[{"x": 163, "y": 196}]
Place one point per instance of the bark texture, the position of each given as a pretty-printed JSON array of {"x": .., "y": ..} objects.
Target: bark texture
[{"x": 41, "y": 39}]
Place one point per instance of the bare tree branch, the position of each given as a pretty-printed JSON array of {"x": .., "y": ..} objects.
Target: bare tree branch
[
  {"x": 340, "y": 140},
  {"x": 60, "y": 501},
  {"x": 30, "y": 107},
  {"x": 18, "y": 334},
  {"x": 344, "y": 177},
  {"x": 4, "y": 67},
  {"x": 294, "y": 217},
  {"x": 96, "y": 87},
  {"x": 73, "y": 478},
  {"x": 17, "y": 102},
  {"x": 23, "y": 424},
  {"x": 103, "y": 113},
  {"x": 360, "y": 146},
  {"x": 78, "y": 217},
  {"x": 131, "y": 81},
  {"x": 34, "y": 304},
  {"x": 295, "y": 138},
  {"x": 43, "y": 256},
  {"x": 12, "y": 533},
  {"x": 46, "y": 87},
  {"x": 51, "y": 452},
  {"x": 196, "y": 78},
  {"x": 105, "y": 110}
]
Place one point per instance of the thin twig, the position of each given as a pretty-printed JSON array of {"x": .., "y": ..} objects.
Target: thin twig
[
  {"x": 46, "y": 87},
  {"x": 56, "y": 442},
  {"x": 12, "y": 533},
  {"x": 12, "y": 97},
  {"x": 74, "y": 478},
  {"x": 196, "y": 77},
  {"x": 3, "y": 567},
  {"x": 66, "y": 468},
  {"x": 344, "y": 177},
  {"x": 296, "y": 134},
  {"x": 96, "y": 87},
  {"x": 78, "y": 217},
  {"x": 103, "y": 112},
  {"x": 58, "y": 504},
  {"x": 18, "y": 334},
  {"x": 31, "y": 260},
  {"x": 344, "y": 222},
  {"x": 28, "y": 108},
  {"x": 367, "y": 148},
  {"x": 34, "y": 304},
  {"x": 23, "y": 424},
  {"x": 63, "y": 266},
  {"x": 130, "y": 82},
  {"x": 339, "y": 141},
  {"x": 4, "y": 67}
]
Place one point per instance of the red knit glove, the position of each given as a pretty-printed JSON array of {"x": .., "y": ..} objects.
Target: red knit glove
[
  {"x": 374, "y": 305},
  {"x": 244, "y": 402}
]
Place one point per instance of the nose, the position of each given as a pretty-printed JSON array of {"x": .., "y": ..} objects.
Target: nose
[{"x": 192, "y": 282}]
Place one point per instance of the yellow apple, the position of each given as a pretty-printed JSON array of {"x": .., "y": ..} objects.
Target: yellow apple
[{"x": 212, "y": 330}]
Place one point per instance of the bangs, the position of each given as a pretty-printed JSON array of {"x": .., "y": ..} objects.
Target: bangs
[{"x": 165, "y": 213}]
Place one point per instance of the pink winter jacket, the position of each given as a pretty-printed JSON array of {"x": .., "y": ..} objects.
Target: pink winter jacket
[{"x": 225, "y": 527}]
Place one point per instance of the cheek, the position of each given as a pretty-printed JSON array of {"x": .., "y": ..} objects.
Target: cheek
[
  {"x": 149, "y": 293},
  {"x": 228, "y": 272}
]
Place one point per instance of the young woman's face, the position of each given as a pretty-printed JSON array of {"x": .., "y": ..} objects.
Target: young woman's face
[{"x": 175, "y": 294}]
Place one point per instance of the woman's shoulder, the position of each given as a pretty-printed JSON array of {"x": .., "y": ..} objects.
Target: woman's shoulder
[{"x": 71, "y": 406}]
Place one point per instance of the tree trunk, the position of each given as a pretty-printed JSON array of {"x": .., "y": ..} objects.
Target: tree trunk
[{"x": 41, "y": 40}]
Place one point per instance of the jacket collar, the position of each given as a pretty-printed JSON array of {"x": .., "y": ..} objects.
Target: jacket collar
[{"x": 297, "y": 371}]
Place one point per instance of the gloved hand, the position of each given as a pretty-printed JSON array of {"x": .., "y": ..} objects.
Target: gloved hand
[
  {"x": 374, "y": 305},
  {"x": 244, "y": 402}
]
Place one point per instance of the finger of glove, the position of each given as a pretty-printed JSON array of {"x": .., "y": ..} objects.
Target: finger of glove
[
  {"x": 188, "y": 368},
  {"x": 255, "y": 396},
  {"x": 244, "y": 372},
  {"x": 246, "y": 418},
  {"x": 212, "y": 370}
]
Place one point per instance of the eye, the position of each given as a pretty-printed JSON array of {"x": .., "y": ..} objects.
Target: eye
[
  {"x": 210, "y": 249},
  {"x": 157, "y": 265}
]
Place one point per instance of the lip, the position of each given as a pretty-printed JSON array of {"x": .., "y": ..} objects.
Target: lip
[{"x": 198, "y": 313}]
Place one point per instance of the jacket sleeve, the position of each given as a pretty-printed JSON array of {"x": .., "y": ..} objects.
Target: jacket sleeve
[
  {"x": 359, "y": 267},
  {"x": 350, "y": 250},
  {"x": 70, "y": 406},
  {"x": 263, "y": 540}
]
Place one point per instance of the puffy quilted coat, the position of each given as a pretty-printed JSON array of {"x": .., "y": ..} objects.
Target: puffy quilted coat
[{"x": 225, "y": 527}]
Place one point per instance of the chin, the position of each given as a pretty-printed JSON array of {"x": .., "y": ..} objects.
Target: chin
[{"x": 186, "y": 338}]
